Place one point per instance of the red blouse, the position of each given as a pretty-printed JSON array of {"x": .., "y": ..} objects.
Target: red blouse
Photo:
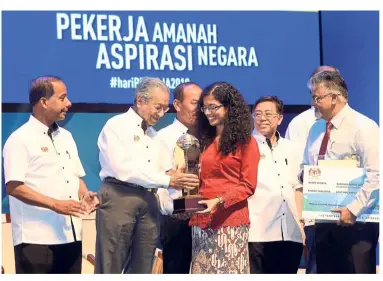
[{"x": 234, "y": 178}]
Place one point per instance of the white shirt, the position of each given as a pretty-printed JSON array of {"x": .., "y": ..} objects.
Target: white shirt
[
  {"x": 128, "y": 154},
  {"x": 51, "y": 168},
  {"x": 299, "y": 128},
  {"x": 352, "y": 135},
  {"x": 169, "y": 135},
  {"x": 298, "y": 131},
  {"x": 272, "y": 208}
]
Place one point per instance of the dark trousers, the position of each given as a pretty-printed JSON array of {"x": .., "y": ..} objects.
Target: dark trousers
[
  {"x": 176, "y": 240},
  {"x": 311, "y": 266},
  {"x": 127, "y": 225},
  {"x": 346, "y": 249},
  {"x": 279, "y": 257},
  {"x": 35, "y": 258}
]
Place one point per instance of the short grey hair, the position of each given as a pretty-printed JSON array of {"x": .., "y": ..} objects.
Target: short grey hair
[
  {"x": 331, "y": 80},
  {"x": 324, "y": 68},
  {"x": 145, "y": 85}
]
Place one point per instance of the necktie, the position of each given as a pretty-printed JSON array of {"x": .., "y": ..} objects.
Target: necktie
[{"x": 323, "y": 147}]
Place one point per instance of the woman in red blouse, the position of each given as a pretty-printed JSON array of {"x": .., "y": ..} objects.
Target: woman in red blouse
[{"x": 229, "y": 165}]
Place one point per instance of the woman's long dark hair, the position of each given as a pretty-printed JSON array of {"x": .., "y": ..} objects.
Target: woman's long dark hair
[{"x": 238, "y": 123}]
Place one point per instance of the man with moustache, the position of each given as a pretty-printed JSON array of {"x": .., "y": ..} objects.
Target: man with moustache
[
  {"x": 297, "y": 132},
  {"x": 43, "y": 176},
  {"x": 133, "y": 168},
  {"x": 176, "y": 234},
  {"x": 346, "y": 246}
]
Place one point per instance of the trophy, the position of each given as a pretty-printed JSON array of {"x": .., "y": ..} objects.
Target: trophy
[{"x": 187, "y": 153}]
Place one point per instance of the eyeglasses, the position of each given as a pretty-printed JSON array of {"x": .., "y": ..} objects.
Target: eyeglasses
[
  {"x": 211, "y": 108},
  {"x": 268, "y": 115},
  {"x": 317, "y": 99},
  {"x": 159, "y": 108}
]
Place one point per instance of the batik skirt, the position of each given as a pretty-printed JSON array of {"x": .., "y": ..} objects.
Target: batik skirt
[{"x": 220, "y": 251}]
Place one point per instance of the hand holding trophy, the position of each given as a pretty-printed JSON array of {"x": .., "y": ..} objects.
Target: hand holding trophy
[{"x": 187, "y": 154}]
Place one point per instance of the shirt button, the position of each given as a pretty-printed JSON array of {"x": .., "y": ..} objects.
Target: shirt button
[
  {"x": 147, "y": 146},
  {"x": 148, "y": 160},
  {"x": 58, "y": 153},
  {"x": 283, "y": 213},
  {"x": 278, "y": 174},
  {"x": 282, "y": 186},
  {"x": 275, "y": 161},
  {"x": 63, "y": 168},
  {"x": 70, "y": 196},
  {"x": 284, "y": 200},
  {"x": 67, "y": 181}
]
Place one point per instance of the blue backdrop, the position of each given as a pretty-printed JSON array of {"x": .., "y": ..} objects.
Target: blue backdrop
[
  {"x": 351, "y": 43},
  {"x": 259, "y": 52}
]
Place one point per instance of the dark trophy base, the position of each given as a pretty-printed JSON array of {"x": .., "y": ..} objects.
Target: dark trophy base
[{"x": 188, "y": 204}]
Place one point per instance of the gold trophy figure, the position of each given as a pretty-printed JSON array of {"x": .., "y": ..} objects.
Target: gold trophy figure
[{"x": 187, "y": 153}]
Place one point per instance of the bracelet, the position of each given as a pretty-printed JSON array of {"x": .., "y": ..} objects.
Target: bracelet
[
  {"x": 220, "y": 200},
  {"x": 302, "y": 221}
]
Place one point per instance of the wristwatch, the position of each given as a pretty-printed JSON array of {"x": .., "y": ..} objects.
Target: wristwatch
[{"x": 302, "y": 221}]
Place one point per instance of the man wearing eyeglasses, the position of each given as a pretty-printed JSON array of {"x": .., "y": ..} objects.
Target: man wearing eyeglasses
[
  {"x": 275, "y": 237},
  {"x": 297, "y": 132},
  {"x": 133, "y": 167},
  {"x": 175, "y": 235},
  {"x": 346, "y": 246}
]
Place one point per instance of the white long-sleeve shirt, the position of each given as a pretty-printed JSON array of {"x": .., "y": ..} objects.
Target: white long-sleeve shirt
[
  {"x": 353, "y": 135},
  {"x": 169, "y": 135},
  {"x": 299, "y": 128},
  {"x": 128, "y": 154},
  {"x": 298, "y": 131}
]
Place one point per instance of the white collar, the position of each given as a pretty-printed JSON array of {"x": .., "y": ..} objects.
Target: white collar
[
  {"x": 259, "y": 137},
  {"x": 38, "y": 125},
  {"x": 179, "y": 126},
  {"x": 338, "y": 119}
]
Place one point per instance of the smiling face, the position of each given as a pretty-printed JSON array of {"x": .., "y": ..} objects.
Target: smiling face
[
  {"x": 152, "y": 111},
  {"x": 266, "y": 118},
  {"x": 56, "y": 106},
  {"x": 214, "y": 110}
]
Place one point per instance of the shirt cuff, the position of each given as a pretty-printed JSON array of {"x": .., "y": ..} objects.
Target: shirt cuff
[
  {"x": 298, "y": 186},
  {"x": 355, "y": 208},
  {"x": 163, "y": 181},
  {"x": 166, "y": 202}
]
